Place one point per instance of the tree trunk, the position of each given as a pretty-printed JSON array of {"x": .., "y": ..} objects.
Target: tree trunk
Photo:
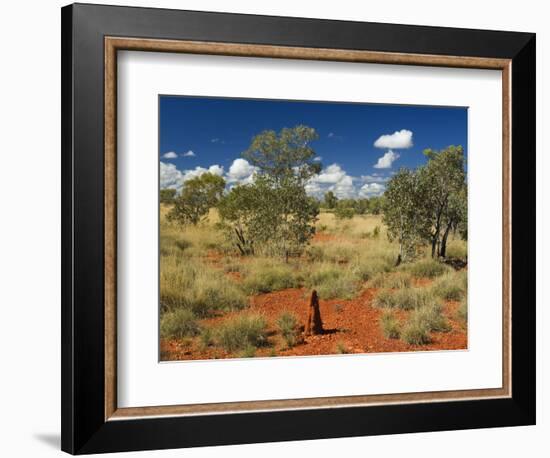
[{"x": 443, "y": 251}]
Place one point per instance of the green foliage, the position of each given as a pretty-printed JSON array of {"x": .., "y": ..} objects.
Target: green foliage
[
  {"x": 433, "y": 316},
  {"x": 178, "y": 324},
  {"x": 462, "y": 311},
  {"x": 367, "y": 268},
  {"x": 206, "y": 338},
  {"x": 167, "y": 196},
  {"x": 274, "y": 214},
  {"x": 197, "y": 197},
  {"x": 288, "y": 326},
  {"x": 344, "y": 211},
  {"x": 243, "y": 332},
  {"x": 330, "y": 200},
  {"x": 416, "y": 332},
  {"x": 391, "y": 328}
]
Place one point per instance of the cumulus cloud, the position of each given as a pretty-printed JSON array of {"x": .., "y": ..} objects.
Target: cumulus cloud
[
  {"x": 189, "y": 154},
  {"x": 318, "y": 158},
  {"x": 371, "y": 190},
  {"x": 171, "y": 177},
  {"x": 374, "y": 178},
  {"x": 398, "y": 140},
  {"x": 241, "y": 171},
  {"x": 170, "y": 155},
  {"x": 334, "y": 179},
  {"x": 386, "y": 161}
]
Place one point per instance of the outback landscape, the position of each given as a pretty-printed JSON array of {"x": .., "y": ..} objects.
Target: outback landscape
[{"x": 267, "y": 268}]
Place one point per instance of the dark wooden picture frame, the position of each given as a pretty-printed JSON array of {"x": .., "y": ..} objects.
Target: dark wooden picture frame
[{"x": 91, "y": 37}]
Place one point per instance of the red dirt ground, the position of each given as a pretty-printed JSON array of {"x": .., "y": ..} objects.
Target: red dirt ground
[{"x": 350, "y": 324}]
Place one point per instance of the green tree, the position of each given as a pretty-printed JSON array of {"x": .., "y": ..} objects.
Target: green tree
[
  {"x": 330, "y": 200},
  {"x": 444, "y": 179},
  {"x": 197, "y": 197},
  {"x": 345, "y": 209},
  {"x": 167, "y": 196},
  {"x": 274, "y": 214},
  {"x": 375, "y": 205},
  {"x": 404, "y": 213}
]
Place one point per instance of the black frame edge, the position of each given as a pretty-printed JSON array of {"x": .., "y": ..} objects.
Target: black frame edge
[{"x": 84, "y": 429}]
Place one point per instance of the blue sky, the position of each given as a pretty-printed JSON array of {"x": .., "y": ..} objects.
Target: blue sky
[{"x": 360, "y": 145}]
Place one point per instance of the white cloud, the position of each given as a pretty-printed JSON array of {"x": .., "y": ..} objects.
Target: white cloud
[
  {"x": 334, "y": 179},
  {"x": 330, "y": 134},
  {"x": 241, "y": 171},
  {"x": 372, "y": 189},
  {"x": 398, "y": 140},
  {"x": 171, "y": 177},
  {"x": 386, "y": 161},
  {"x": 318, "y": 158},
  {"x": 374, "y": 178},
  {"x": 170, "y": 155},
  {"x": 189, "y": 154}
]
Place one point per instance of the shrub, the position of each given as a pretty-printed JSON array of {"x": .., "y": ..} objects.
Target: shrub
[
  {"x": 391, "y": 280},
  {"x": 242, "y": 332},
  {"x": 264, "y": 277},
  {"x": 433, "y": 317},
  {"x": 248, "y": 352},
  {"x": 206, "y": 338},
  {"x": 315, "y": 253},
  {"x": 450, "y": 286},
  {"x": 178, "y": 324},
  {"x": 457, "y": 249},
  {"x": 332, "y": 281},
  {"x": 390, "y": 325},
  {"x": 426, "y": 268},
  {"x": 288, "y": 325}
]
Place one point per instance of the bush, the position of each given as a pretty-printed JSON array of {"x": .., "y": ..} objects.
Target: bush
[
  {"x": 264, "y": 277},
  {"x": 178, "y": 324},
  {"x": 450, "y": 286},
  {"x": 331, "y": 281},
  {"x": 391, "y": 280},
  {"x": 206, "y": 338},
  {"x": 433, "y": 317},
  {"x": 367, "y": 269},
  {"x": 288, "y": 325},
  {"x": 343, "y": 212},
  {"x": 426, "y": 268},
  {"x": 457, "y": 249},
  {"x": 390, "y": 325},
  {"x": 243, "y": 332}
]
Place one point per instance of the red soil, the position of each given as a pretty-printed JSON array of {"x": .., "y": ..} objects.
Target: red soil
[{"x": 349, "y": 324}]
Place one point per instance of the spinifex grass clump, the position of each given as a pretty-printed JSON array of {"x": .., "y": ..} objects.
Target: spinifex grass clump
[
  {"x": 178, "y": 324},
  {"x": 451, "y": 286},
  {"x": 391, "y": 280},
  {"x": 426, "y": 268},
  {"x": 288, "y": 326},
  {"x": 423, "y": 321},
  {"x": 264, "y": 276},
  {"x": 391, "y": 328},
  {"x": 243, "y": 332},
  {"x": 195, "y": 286},
  {"x": 404, "y": 298},
  {"x": 331, "y": 281}
]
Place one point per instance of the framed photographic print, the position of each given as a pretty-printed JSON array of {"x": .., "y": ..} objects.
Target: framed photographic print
[{"x": 282, "y": 228}]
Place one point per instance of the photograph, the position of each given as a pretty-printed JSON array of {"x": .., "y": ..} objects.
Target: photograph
[{"x": 307, "y": 228}]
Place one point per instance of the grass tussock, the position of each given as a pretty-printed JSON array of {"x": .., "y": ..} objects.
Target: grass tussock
[
  {"x": 197, "y": 287},
  {"x": 391, "y": 280},
  {"x": 331, "y": 281},
  {"x": 178, "y": 324},
  {"x": 391, "y": 328},
  {"x": 288, "y": 326},
  {"x": 457, "y": 248},
  {"x": 264, "y": 276},
  {"x": 242, "y": 333},
  {"x": 462, "y": 311},
  {"x": 426, "y": 268},
  {"x": 405, "y": 298},
  {"x": 451, "y": 286}
]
